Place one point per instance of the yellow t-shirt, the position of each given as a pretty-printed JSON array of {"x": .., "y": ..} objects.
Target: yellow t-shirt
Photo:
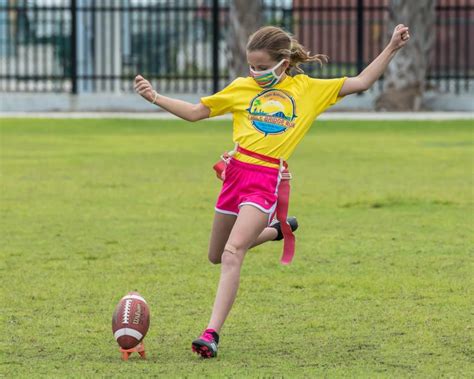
[{"x": 273, "y": 121}]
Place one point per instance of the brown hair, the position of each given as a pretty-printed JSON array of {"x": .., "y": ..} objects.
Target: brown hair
[{"x": 281, "y": 45}]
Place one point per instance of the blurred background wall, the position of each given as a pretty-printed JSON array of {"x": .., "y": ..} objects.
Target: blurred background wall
[{"x": 84, "y": 54}]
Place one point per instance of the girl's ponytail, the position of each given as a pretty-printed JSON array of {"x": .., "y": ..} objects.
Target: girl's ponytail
[
  {"x": 299, "y": 55},
  {"x": 281, "y": 45}
]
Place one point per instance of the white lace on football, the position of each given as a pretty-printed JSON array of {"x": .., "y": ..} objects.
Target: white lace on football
[{"x": 126, "y": 311}]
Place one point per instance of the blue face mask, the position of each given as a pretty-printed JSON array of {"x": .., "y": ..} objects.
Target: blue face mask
[{"x": 267, "y": 78}]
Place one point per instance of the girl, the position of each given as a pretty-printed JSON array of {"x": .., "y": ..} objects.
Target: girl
[{"x": 272, "y": 111}]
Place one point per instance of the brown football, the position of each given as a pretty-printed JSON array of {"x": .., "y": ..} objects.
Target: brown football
[{"x": 131, "y": 320}]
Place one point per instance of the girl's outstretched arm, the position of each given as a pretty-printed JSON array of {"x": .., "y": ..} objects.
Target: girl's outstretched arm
[
  {"x": 374, "y": 70},
  {"x": 180, "y": 108}
]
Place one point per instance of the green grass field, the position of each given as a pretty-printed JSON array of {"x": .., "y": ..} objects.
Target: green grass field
[{"x": 381, "y": 285}]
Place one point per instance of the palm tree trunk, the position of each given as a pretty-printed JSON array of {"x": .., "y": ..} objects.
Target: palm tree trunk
[
  {"x": 245, "y": 18},
  {"x": 405, "y": 78}
]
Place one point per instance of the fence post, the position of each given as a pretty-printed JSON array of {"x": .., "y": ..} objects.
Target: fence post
[
  {"x": 360, "y": 35},
  {"x": 74, "y": 46},
  {"x": 215, "y": 45}
]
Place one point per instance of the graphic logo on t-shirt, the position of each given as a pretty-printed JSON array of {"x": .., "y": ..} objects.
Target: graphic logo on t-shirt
[{"x": 272, "y": 112}]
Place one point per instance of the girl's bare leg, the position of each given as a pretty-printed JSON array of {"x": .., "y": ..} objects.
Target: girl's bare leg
[
  {"x": 268, "y": 234},
  {"x": 221, "y": 229},
  {"x": 249, "y": 225}
]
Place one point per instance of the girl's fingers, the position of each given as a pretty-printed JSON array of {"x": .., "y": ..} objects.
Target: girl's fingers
[
  {"x": 141, "y": 81},
  {"x": 400, "y": 36},
  {"x": 401, "y": 31},
  {"x": 142, "y": 86},
  {"x": 143, "y": 91}
]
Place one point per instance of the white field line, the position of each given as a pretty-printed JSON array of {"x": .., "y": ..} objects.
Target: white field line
[{"x": 432, "y": 116}]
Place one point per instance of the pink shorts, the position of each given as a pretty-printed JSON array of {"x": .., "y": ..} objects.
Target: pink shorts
[{"x": 251, "y": 184}]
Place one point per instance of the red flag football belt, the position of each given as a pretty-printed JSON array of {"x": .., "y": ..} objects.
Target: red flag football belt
[{"x": 283, "y": 200}]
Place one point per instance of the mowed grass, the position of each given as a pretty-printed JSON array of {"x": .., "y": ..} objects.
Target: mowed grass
[{"x": 381, "y": 285}]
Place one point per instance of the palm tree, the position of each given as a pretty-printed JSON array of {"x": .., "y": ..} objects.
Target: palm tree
[
  {"x": 405, "y": 78},
  {"x": 245, "y": 17}
]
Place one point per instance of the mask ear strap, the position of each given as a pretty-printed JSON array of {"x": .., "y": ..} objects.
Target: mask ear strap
[{"x": 277, "y": 66}]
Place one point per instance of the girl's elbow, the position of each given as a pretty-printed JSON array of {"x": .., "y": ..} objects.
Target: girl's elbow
[
  {"x": 193, "y": 117},
  {"x": 354, "y": 85},
  {"x": 366, "y": 87},
  {"x": 361, "y": 90},
  {"x": 363, "y": 85},
  {"x": 196, "y": 114},
  {"x": 189, "y": 116}
]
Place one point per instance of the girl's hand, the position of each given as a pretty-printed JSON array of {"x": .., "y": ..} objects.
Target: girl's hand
[
  {"x": 144, "y": 88},
  {"x": 400, "y": 37}
]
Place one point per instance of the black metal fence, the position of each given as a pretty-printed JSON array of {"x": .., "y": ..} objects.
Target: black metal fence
[{"x": 83, "y": 46}]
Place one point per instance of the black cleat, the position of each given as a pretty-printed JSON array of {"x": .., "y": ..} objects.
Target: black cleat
[{"x": 276, "y": 224}]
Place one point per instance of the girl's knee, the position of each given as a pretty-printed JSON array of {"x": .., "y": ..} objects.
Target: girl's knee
[
  {"x": 214, "y": 255},
  {"x": 232, "y": 256}
]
